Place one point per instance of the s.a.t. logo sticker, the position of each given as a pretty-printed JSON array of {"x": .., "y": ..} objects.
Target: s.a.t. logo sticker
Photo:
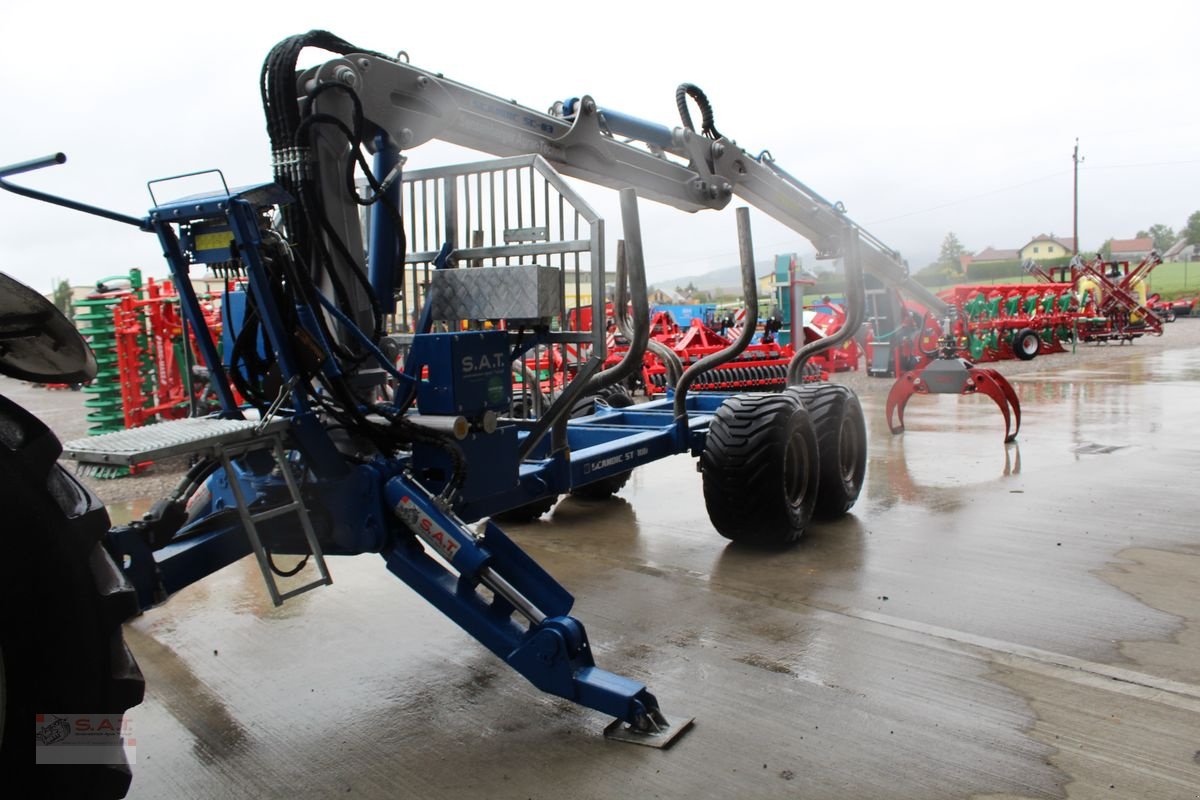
[{"x": 424, "y": 526}]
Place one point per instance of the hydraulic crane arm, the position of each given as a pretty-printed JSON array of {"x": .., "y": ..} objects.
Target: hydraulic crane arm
[{"x": 680, "y": 167}]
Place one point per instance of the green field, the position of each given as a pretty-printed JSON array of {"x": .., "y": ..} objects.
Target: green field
[
  {"x": 1176, "y": 279},
  {"x": 1171, "y": 280}
]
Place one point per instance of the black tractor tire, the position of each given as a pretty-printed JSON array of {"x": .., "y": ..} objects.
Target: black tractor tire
[
  {"x": 841, "y": 430},
  {"x": 605, "y": 487},
  {"x": 761, "y": 469},
  {"x": 1027, "y": 344},
  {"x": 64, "y": 602}
]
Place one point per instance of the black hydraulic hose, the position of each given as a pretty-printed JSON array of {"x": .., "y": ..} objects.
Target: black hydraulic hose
[
  {"x": 670, "y": 359},
  {"x": 750, "y": 295},
  {"x": 278, "y": 79},
  {"x": 284, "y": 123},
  {"x": 193, "y": 478},
  {"x": 856, "y": 299},
  {"x": 245, "y": 355},
  {"x": 313, "y": 206},
  {"x": 707, "y": 125}
]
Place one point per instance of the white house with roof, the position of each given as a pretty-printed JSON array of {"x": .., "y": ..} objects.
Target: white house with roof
[
  {"x": 1182, "y": 251},
  {"x": 1131, "y": 249},
  {"x": 1043, "y": 247}
]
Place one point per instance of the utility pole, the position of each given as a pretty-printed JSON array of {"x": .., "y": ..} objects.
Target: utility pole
[{"x": 1075, "y": 210}]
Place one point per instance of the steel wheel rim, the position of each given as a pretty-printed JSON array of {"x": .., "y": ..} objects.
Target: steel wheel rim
[
  {"x": 848, "y": 450},
  {"x": 795, "y": 470}
]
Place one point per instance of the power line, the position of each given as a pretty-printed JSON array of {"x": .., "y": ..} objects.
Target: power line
[
  {"x": 969, "y": 198},
  {"x": 1033, "y": 181},
  {"x": 990, "y": 192},
  {"x": 1077, "y": 160},
  {"x": 1145, "y": 164}
]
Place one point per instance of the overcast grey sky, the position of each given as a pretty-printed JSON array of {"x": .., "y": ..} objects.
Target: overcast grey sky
[{"x": 921, "y": 117}]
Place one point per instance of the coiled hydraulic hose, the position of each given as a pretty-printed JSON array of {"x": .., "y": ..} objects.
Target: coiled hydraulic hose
[{"x": 707, "y": 126}]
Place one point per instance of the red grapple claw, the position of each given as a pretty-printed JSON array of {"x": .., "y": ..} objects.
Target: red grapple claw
[{"x": 954, "y": 376}]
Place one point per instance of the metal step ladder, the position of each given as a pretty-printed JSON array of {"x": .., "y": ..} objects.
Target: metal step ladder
[{"x": 225, "y": 440}]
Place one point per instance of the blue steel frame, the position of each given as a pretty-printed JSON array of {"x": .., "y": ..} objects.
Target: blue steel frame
[{"x": 378, "y": 507}]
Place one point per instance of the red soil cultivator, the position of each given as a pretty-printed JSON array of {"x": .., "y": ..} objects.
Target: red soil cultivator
[
  {"x": 948, "y": 373},
  {"x": 150, "y": 373},
  {"x": 672, "y": 348},
  {"x": 762, "y": 366}
]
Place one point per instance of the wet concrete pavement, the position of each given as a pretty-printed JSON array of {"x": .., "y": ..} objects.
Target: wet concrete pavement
[{"x": 990, "y": 621}]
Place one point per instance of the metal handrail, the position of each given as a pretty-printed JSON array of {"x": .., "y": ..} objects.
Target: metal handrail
[{"x": 45, "y": 197}]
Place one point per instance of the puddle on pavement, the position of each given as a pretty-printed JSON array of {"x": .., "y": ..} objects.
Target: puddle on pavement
[
  {"x": 1170, "y": 582},
  {"x": 217, "y": 734},
  {"x": 1178, "y": 365},
  {"x": 937, "y": 470},
  {"x": 1104, "y": 742},
  {"x": 952, "y": 445},
  {"x": 124, "y": 512},
  {"x": 240, "y": 589}
]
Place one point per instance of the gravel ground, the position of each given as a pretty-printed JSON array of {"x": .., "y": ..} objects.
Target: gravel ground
[{"x": 63, "y": 410}]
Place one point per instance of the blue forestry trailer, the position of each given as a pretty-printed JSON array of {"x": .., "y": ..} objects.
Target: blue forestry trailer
[{"x": 375, "y": 356}]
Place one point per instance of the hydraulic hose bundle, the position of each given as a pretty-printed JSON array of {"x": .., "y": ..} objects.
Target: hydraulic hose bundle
[
  {"x": 310, "y": 251},
  {"x": 296, "y": 262}
]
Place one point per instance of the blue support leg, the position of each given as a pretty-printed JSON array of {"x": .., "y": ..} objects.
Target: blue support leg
[{"x": 549, "y": 647}]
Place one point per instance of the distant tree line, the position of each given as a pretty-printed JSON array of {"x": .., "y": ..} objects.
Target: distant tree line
[
  {"x": 62, "y": 299},
  {"x": 948, "y": 267}
]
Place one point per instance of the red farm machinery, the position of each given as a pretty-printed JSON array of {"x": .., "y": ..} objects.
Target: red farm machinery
[
  {"x": 673, "y": 347},
  {"x": 149, "y": 369},
  {"x": 1097, "y": 301}
]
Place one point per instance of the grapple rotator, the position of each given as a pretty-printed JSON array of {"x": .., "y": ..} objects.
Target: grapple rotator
[{"x": 948, "y": 373}]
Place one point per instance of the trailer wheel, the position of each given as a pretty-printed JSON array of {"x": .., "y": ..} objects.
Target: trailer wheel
[
  {"x": 841, "y": 442},
  {"x": 605, "y": 487},
  {"x": 761, "y": 468},
  {"x": 1026, "y": 344},
  {"x": 523, "y": 515},
  {"x": 69, "y": 657}
]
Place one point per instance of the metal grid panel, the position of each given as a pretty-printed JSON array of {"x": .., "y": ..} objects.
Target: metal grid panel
[
  {"x": 165, "y": 439},
  {"x": 508, "y": 212}
]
